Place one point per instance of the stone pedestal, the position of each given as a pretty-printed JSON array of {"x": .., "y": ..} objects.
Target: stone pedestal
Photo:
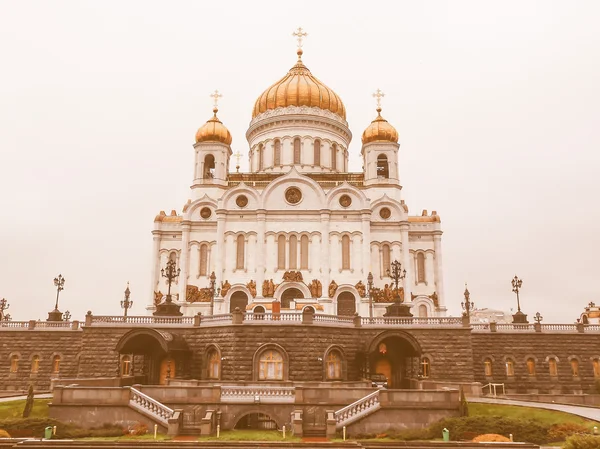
[
  {"x": 398, "y": 309},
  {"x": 520, "y": 318},
  {"x": 168, "y": 308},
  {"x": 55, "y": 315}
]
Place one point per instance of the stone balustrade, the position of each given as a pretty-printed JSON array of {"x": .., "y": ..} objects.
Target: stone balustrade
[
  {"x": 357, "y": 410},
  {"x": 149, "y": 406},
  {"x": 258, "y": 394}
]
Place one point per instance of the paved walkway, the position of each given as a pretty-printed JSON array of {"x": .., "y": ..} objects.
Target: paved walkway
[
  {"x": 19, "y": 398},
  {"x": 585, "y": 412}
]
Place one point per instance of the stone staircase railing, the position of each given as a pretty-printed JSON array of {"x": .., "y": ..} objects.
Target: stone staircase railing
[
  {"x": 258, "y": 395},
  {"x": 357, "y": 410},
  {"x": 150, "y": 407}
]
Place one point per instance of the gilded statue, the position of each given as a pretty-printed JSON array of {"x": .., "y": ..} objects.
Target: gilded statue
[
  {"x": 388, "y": 293},
  {"x": 252, "y": 287},
  {"x": 158, "y": 296},
  {"x": 362, "y": 289},
  {"x": 316, "y": 288},
  {"x": 195, "y": 294},
  {"x": 434, "y": 298},
  {"x": 378, "y": 295},
  {"x": 292, "y": 276},
  {"x": 332, "y": 289},
  {"x": 225, "y": 286},
  {"x": 268, "y": 288}
]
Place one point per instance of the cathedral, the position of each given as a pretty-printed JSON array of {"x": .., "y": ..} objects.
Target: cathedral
[{"x": 298, "y": 230}]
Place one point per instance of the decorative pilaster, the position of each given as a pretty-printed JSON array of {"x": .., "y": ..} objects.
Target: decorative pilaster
[
  {"x": 406, "y": 262},
  {"x": 261, "y": 254},
  {"x": 184, "y": 260},
  {"x": 366, "y": 243},
  {"x": 325, "y": 267},
  {"x": 220, "y": 249},
  {"x": 439, "y": 275}
]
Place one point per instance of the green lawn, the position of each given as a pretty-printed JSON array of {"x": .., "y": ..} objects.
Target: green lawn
[
  {"x": 251, "y": 435},
  {"x": 14, "y": 409},
  {"x": 148, "y": 436},
  {"x": 514, "y": 411}
]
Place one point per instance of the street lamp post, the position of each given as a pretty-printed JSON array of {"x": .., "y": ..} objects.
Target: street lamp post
[
  {"x": 370, "y": 287},
  {"x": 169, "y": 308},
  {"x": 397, "y": 308},
  {"x": 213, "y": 280},
  {"x": 126, "y": 303},
  {"x": 66, "y": 316},
  {"x": 56, "y": 315},
  {"x": 467, "y": 305},
  {"x": 519, "y": 317},
  {"x": 4, "y": 305}
]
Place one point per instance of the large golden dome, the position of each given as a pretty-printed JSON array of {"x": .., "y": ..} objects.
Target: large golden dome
[
  {"x": 299, "y": 88},
  {"x": 213, "y": 131},
  {"x": 380, "y": 131}
]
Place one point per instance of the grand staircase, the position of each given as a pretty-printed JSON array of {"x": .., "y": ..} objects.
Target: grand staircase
[
  {"x": 357, "y": 410},
  {"x": 151, "y": 408}
]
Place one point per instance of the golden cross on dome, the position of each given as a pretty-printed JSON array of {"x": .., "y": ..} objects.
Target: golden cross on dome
[
  {"x": 379, "y": 95},
  {"x": 238, "y": 155},
  {"x": 216, "y": 95},
  {"x": 300, "y": 34}
]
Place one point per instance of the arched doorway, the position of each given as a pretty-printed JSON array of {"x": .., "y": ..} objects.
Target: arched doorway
[
  {"x": 260, "y": 421},
  {"x": 395, "y": 356},
  {"x": 238, "y": 299},
  {"x": 289, "y": 295},
  {"x": 346, "y": 304}
]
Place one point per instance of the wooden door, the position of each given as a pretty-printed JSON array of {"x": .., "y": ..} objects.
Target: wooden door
[
  {"x": 346, "y": 305},
  {"x": 167, "y": 370},
  {"x": 383, "y": 366}
]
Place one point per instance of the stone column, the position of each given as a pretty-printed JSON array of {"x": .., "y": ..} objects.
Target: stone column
[
  {"x": 184, "y": 261},
  {"x": 325, "y": 275},
  {"x": 438, "y": 271},
  {"x": 261, "y": 254},
  {"x": 156, "y": 265},
  {"x": 220, "y": 249},
  {"x": 406, "y": 262}
]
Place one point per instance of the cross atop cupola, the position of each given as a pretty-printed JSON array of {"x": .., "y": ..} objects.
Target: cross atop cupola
[
  {"x": 300, "y": 34},
  {"x": 215, "y": 96},
  {"x": 378, "y": 95}
]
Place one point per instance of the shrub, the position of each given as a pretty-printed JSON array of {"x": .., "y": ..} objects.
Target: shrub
[
  {"x": 34, "y": 427},
  {"x": 139, "y": 429},
  {"x": 4, "y": 434},
  {"x": 560, "y": 432},
  {"x": 491, "y": 438},
  {"x": 466, "y": 428},
  {"x": 582, "y": 442}
]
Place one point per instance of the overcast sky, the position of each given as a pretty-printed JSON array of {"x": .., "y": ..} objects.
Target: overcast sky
[{"x": 496, "y": 104}]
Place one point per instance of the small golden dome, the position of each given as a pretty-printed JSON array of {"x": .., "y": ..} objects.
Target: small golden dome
[
  {"x": 380, "y": 130},
  {"x": 214, "y": 131},
  {"x": 299, "y": 88}
]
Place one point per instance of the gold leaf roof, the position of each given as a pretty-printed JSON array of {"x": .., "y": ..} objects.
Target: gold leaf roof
[
  {"x": 380, "y": 131},
  {"x": 299, "y": 87},
  {"x": 214, "y": 131}
]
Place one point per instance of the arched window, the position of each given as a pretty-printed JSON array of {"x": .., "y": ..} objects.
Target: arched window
[
  {"x": 510, "y": 368},
  {"x": 421, "y": 267},
  {"x": 333, "y": 365},
  {"x": 14, "y": 363},
  {"x": 209, "y": 167},
  {"x": 531, "y": 367},
  {"x": 277, "y": 153},
  {"x": 213, "y": 365},
  {"x": 317, "y": 155},
  {"x": 385, "y": 255},
  {"x": 552, "y": 368},
  {"x": 345, "y": 252},
  {"x": 281, "y": 252},
  {"x": 383, "y": 170},
  {"x": 270, "y": 366},
  {"x": 173, "y": 257},
  {"x": 596, "y": 367},
  {"x": 56, "y": 364},
  {"x": 304, "y": 252},
  {"x": 422, "y": 311},
  {"x": 240, "y": 252},
  {"x": 126, "y": 365},
  {"x": 575, "y": 367},
  {"x": 334, "y": 157},
  {"x": 261, "y": 158},
  {"x": 293, "y": 252},
  {"x": 296, "y": 151},
  {"x": 35, "y": 364},
  {"x": 425, "y": 367},
  {"x": 203, "y": 259},
  {"x": 487, "y": 365}
]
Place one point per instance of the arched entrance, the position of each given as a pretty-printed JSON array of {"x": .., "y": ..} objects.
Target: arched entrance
[
  {"x": 153, "y": 356},
  {"x": 260, "y": 421},
  {"x": 396, "y": 355},
  {"x": 346, "y": 304},
  {"x": 289, "y": 295},
  {"x": 238, "y": 299}
]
